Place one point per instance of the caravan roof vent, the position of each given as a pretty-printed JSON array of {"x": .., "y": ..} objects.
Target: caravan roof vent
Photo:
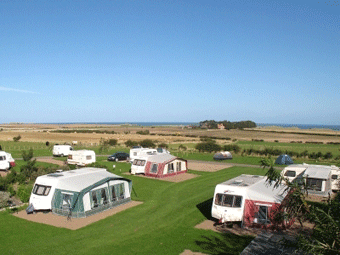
[
  {"x": 59, "y": 171},
  {"x": 256, "y": 176},
  {"x": 237, "y": 182},
  {"x": 55, "y": 175}
]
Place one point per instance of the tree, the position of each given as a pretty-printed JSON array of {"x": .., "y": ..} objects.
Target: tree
[
  {"x": 30, "y": 167},
  {"x": 325, "y": 238}
]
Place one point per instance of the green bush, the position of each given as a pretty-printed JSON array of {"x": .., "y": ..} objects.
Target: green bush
[
  {"x": 328, "y": 155},
  {"x": 208, "y": 147},
  {"x": 24, "y": 192},
  {"x": 181, "y": 147},
  {"x": 143, "y": 132},
  {"x": 112, "y": 142},
  {"x": 232, "y": 147},
  {"x": 147, "y": 143},
  {"x": 3, "y": 183},
  {"x": 4, "y": 198},
  {"x": 11, "y": 190},
  {"x": 17, "y": 138},
  {"x": 130, "y": 143},
  {"x": 163, "y": 145}
]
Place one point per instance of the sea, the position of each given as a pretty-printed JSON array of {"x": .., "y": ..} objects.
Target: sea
[{"x": 149, "y": 124}]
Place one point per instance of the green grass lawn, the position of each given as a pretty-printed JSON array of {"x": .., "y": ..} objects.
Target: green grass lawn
[
  {"x": 163, "y": 224},
  {"x": 297, "y": 147}
]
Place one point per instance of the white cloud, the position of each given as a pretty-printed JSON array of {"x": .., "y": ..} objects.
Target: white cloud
[{"x": 18, "y": 90}]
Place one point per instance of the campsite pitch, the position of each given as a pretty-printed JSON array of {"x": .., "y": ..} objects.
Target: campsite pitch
[
  {"x": 207, "y": 166},
  {"x": 73, "y": 223}
]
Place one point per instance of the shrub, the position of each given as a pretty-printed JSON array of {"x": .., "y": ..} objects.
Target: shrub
[
  {"x": 143, "y": 132},
  {"x": 16, "y": 138},
  {"x": 11, "y": 190},
  {"x": 147, "y": 143},
  {"x": 208, "y": 147},
  {"x": 257, "y": 140},
  {"x": 28, "y": 169},
  {"x": 4, "y": 199},
  {"x": 112, "y": 142},
  {"x": 27, "y": 156},
  {"x": 3, "y": 183},
  {"x": 207, "y": 139},
  {"x": 98, "y": 165},
  {"x": 130, "y": 143},
  {"x": 181, "y": 147},
  {"x": 328, "y": 155},
  {"x": 24, "y": 193},
  {"x": 163, "y": 145},
  {"x": 232, "y": 147},
  {"x": 12, "y": 177}
]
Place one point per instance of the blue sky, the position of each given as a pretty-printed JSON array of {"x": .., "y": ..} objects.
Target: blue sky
[{"x": 268, "y": 61}]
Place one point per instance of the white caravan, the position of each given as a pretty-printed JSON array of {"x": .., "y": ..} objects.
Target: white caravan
[
  {"x": 138, "y": 165},
  {"x": 81, "y": 157},
  {"x": 62, "y": 150},
  {"x": 4, "y": 162},
  {"x": 137, "y": 153},
  {"x": 317, "y": 177},
  {"x": 10, "y": 159},
  {"x": 247, "y": 199}
]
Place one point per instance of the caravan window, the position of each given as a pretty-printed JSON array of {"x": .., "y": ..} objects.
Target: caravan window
[
  {"x": 2, "y": 157},
  {"x": 138, "y": 162},
  {"x": 154, "y": 168},
  {"x": 314, "y": 184},
  {"x": 41, "y": 190},
  {"x": 334, "y": 177},
  {"x": 228, "y": 200},
  {"x": 262, "y": 215},
  {"x": 290, "y": 173},
  {"x": 88, "y": 157}
]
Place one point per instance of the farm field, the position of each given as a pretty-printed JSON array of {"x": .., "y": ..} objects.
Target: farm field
[{"x": 66, "y": 133}]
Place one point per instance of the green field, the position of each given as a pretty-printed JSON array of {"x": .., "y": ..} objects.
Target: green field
[
  {"x": 163, "y": 224},
  {"x": 298, "y": 147}
]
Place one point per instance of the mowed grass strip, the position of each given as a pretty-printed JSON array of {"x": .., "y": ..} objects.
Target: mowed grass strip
[{"x": 163, "y": 224}]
